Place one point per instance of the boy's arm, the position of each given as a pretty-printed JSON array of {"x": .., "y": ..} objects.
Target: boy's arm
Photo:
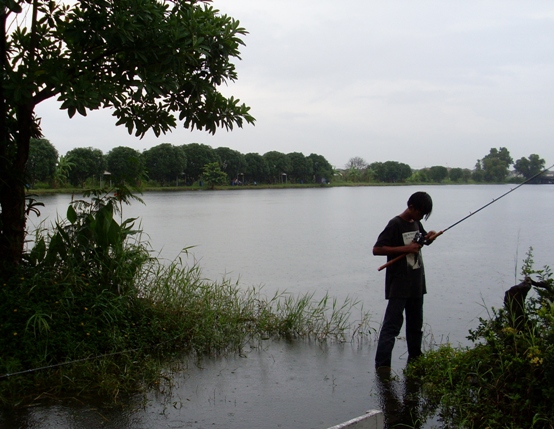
[{"x": 413, "y": 247}]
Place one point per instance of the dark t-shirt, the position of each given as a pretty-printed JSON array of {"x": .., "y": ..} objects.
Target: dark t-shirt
[{"x": 406, "y": 277}]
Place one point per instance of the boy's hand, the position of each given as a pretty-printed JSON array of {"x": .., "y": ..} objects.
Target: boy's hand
[
  {"x": 413, "y": 247},
  {"x": 431, "y": 236}
]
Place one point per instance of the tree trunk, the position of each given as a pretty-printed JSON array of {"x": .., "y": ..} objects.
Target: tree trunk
[
  {"x": 16, "y": 131},
  {"x": 514, "y": 300},
  {"x": 12, "y": 223},
  {"x": 514, "y": 303},
  {"x": 13, "y": 158}
]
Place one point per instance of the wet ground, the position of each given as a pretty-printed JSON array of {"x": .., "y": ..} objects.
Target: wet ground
[{"x": 277, "y": 385}]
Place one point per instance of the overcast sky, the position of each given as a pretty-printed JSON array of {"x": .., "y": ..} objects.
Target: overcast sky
[{"x": 425, "y": 83}]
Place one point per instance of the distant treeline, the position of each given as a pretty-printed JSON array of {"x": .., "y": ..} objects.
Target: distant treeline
[
  {"x": 167, "y": 164},
  {"x": 492, "y": 168}
]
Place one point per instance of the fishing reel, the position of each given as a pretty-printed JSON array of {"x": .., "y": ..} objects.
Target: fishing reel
[{"x": 420, "y": 239}]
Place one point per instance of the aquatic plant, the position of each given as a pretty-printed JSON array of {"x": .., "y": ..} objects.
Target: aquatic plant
[{"x": 92, "y": 311}]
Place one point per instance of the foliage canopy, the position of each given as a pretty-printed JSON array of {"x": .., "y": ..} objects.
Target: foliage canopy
[
  {"x": 126, "y": 165},
  {"x": 87, "y": 162},
  {"x": 165, "y": 163},
  {"x": 529, "y": 167},
  {"x": 198, "y": 155},
  {"x": 43, "y": 158},
  {"x": 152, "y": 62},
  {"x": 213, "y": 175},
  {"x": 494, "y": 166}
]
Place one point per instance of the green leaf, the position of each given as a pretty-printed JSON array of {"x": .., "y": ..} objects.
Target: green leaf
[
  {"x": 13, "y": 6},
  {"x": 38, "y": 252},
  {"x": 71, "y": 215},
  {"x": 81, "y": 109}
]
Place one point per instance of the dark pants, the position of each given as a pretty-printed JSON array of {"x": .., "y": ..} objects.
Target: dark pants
[{"x": 394, "y": 318}]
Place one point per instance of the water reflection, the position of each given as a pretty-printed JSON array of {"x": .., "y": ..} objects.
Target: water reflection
[
  {"x": 399, "y": 399},
  {"x": 279, "y": 384}
]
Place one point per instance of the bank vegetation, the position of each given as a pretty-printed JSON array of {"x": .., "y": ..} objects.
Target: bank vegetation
[
  {"x": 91, "y": 311},
  {"x": 506, "y": 379}
]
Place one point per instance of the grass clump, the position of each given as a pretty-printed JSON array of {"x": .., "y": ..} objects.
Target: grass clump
[
  {"x": 91, "y": 312},
  {"x": 506, "y": 380}
]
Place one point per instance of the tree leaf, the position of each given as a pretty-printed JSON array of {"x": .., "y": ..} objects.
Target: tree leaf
[{"x": 71, "y": 215}]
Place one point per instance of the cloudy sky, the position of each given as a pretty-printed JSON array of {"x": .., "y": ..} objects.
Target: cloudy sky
[{"x": 435, "y": 82}]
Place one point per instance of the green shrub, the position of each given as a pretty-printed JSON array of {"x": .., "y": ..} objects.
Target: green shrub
[
  {"x": 96, "y": 313},
  {"x": 506, "y": 380}
]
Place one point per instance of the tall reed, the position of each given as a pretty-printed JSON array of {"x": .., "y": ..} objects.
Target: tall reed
[{"x": 95, "y": 312}]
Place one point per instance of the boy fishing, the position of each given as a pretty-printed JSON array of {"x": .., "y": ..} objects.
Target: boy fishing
[{"x": 401, "y": 241}]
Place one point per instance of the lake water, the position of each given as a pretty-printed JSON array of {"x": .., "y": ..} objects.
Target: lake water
[{"x": 318, "y": 240}]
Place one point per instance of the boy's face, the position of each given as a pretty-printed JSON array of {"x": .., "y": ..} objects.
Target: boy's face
[{"x": 417, "y": 214}]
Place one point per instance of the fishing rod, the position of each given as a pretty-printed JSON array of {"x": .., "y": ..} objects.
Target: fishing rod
[{"x": 422, "y": 240}]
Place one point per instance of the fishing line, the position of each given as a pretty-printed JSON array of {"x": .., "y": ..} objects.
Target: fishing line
[
  {"x": 56, "y": 365},
  {"x": 434, "y": 236},
  {"x": 493, "y": 201}
]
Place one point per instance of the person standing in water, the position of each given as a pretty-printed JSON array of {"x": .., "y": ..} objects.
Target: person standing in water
[{"x": 404, "y": 279}]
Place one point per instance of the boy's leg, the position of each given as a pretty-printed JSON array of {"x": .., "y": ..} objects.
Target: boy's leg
[
  {"x": 414, "y": 327},
  {"x": 392, "y": 324}
]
